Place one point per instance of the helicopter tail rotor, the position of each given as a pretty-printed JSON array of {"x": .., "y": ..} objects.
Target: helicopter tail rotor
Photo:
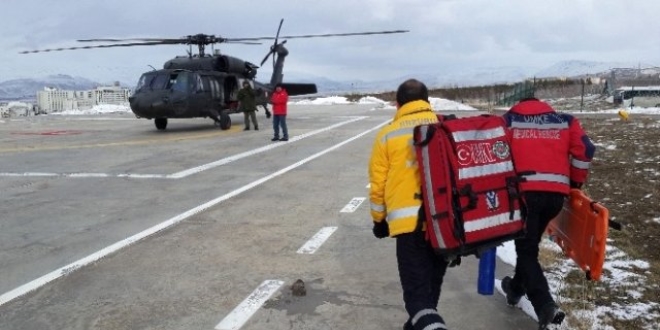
[{"x": 275, "y": 45}]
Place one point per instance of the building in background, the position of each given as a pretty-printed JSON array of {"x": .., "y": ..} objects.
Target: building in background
[
  {"x": 54, "y": 100},
  {"x": 16, "y": 109}
]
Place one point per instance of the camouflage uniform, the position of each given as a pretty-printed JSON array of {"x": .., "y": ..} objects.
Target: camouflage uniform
[{"x": 248, "y": 105}]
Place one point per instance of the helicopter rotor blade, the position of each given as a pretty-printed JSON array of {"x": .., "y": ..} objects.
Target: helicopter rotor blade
[
  {"x": 266, "y": 57},
  {"x": 101, "y": 46},
  {"x": 243, "y": 42},
  {"x": 204, "y": 39},
  {"x": 131, "y": 40},
  {"x": 325, "y": 35},
  {"x": 344, "y": 34},
  {"x": 279, "y": 28},
  {"x": 188, "y": 39},
  {"x": 277, "y": 35},
  {"x": 274, "y": 46}
]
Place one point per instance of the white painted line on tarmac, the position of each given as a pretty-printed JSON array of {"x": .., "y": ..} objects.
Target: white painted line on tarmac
[
  {"x": 100, "y": 119},
  {"x": 242, "y": 313},
  {"x": 191, "y": 171},
  {"x": 233, "y": 158},
  {"x": 83, "y": 175},
  {"x": 317, "y": 240},
  {"x": 45, "y": 279},
  {"x": 29, "y": 174},
  {"x": 353, "y": 205}
]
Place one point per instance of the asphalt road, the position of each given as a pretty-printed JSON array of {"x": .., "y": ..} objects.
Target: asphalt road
[{"x": 107, "y": 223}]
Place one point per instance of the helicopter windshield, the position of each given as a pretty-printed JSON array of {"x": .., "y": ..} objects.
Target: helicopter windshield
[
  {"x": 152, "y": 81},
  {"x": 176, "y": 81}
]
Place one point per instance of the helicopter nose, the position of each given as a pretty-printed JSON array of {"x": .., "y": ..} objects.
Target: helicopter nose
[{"x": 157, "y": 104}]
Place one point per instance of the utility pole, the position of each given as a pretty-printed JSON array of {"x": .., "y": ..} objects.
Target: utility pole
[{"x": 582, "y": 95}]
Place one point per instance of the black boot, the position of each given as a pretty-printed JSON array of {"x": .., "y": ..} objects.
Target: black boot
[
  {"x": 550, "y": 313},
  {"x": 512, "y": 297},
  {"x": 246, "y": 129}
]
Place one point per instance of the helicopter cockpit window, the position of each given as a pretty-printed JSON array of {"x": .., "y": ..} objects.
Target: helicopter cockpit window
[
  {"x": 159, "y": 82},
  {"x": 178, "y": 82},
  {"x": 144, "y": 82},
  {"x": 151, "y": 81}
]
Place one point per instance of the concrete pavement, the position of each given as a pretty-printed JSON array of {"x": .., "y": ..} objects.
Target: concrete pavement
[{"x": 218, "y": 240}]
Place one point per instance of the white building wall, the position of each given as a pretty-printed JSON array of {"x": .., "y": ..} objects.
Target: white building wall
[
  {"x": 52, "y": 100},
  {"x": 112, "y": 95}
]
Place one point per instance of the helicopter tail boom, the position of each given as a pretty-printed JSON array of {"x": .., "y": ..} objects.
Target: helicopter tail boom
[{"x": 299, "y": 88}]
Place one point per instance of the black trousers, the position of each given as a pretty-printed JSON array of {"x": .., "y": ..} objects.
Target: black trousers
[
  {"x": 421, "y": 273},
  {"x": 541, "y": 207}
]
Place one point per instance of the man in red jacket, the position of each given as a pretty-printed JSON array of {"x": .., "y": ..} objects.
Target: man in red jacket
[
  {"x": 279, "y": 100},
  {"x": 554, "y": 149}
]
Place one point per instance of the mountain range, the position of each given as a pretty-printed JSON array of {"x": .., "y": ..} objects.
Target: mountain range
[{"x": 26, "y": 88}]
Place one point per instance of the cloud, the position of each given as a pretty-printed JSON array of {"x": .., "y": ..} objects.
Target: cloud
[{"x": 444, "y": 35}]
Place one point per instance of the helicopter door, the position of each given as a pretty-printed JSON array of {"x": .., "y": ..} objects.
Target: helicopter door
[
  {"x": 206, "y": 95},
  {"x": 201, "y": 95},
  {"x": 231, "y": 92},
  {"x": 179, "y": 86}
]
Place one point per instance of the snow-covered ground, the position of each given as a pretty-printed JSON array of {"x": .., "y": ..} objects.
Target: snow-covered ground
[
  {"x": 618, "y": 275},
  {"x": 437, "y": 104}
]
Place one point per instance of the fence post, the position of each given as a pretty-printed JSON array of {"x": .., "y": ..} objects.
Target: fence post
[{"x": 582, "y": 95}]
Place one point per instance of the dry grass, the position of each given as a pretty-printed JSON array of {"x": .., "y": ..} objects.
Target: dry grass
[{"x": 625, "y": 177}]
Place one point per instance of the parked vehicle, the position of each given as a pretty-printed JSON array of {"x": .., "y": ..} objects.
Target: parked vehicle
[{"x": 641, "y": 96}]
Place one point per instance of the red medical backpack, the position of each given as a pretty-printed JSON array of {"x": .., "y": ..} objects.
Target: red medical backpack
[{"x": 469, "y": 185}]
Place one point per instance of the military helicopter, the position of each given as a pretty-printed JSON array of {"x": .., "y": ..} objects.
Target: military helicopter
[{"x": 205, "y": 85}]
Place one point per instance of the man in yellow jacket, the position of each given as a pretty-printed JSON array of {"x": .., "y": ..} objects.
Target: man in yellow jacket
[{"x": 395, "y": 198}]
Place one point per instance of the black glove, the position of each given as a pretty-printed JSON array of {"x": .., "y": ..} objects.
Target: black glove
[
  {"x": 381, "y": 229},
  {"x": 576, "y": 185},
  {"x": 455, "y": 262}
]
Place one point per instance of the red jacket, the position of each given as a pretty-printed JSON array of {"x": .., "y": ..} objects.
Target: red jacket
[
  {"x": 552, "y": 145},
  {"x": 279, "y": 101}
]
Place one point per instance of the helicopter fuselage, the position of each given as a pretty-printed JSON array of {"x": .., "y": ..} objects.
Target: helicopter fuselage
[{"x": 177, "y": 93}]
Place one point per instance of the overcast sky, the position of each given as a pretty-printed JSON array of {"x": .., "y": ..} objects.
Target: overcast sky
[{"x": 445, "y": 35}]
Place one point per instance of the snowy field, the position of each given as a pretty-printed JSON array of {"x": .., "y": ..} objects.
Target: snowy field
[{"x": 436, "y": 103}]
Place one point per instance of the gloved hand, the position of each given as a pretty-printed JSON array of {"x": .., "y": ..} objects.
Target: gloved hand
[
  {"x": 455, "y": 262},
  {"x": 576, "y": 185},
  {"x": 381, "y": 229}
]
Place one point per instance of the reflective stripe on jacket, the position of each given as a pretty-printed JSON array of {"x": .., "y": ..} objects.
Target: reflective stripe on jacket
[
  {"x": 552, "y": 145},
  {"x": 393, "y": 171}
]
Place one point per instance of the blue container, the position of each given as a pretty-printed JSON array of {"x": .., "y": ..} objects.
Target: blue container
[{"x": 486, "y": 281}]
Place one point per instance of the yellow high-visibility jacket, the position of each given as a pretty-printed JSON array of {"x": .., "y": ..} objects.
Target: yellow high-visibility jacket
[{"x": 395, "y": 192}]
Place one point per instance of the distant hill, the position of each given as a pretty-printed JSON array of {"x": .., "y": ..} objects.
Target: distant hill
[
  {"x": 24, "y": 89},
  {"x": 581, "y": 68}
]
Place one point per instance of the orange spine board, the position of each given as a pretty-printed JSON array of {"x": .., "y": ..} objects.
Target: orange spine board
[{"x": 580, "y": 230}]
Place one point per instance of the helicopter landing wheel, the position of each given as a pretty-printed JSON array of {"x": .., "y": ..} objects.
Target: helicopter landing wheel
[
  {"x": 161, "y": 123},
  {"x": 225, "y": 121}
]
